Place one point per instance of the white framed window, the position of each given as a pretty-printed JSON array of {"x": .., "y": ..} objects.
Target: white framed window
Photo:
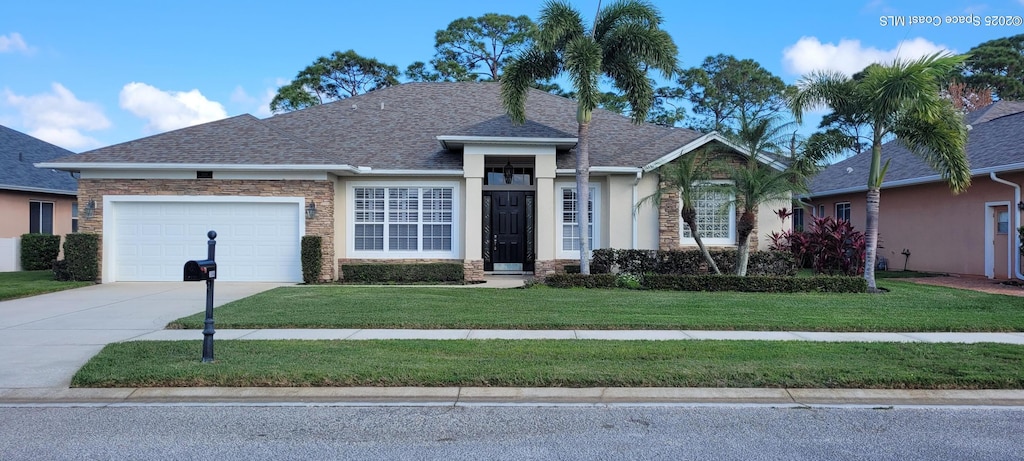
[
  {"x": 40, "y": 217},
  {"x": 1003, "y": 222},
  {"x": 403, "y": 220},
  {"x": 568, "y": 219},
  {"x": 716, "y": 218},
  {"x": 74, "y": 217},
  {"x": 843, "y": 211}
]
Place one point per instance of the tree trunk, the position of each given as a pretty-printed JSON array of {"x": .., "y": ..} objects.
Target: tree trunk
[
  {"x": 583, "y": 194},
  {"x": 744, "y": 229},
  {"x": 689, "y": 217},
  {"x": 871, "y": 238}
]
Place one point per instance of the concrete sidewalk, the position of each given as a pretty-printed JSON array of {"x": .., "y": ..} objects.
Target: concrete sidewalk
[{"x": 627, "y": 335}]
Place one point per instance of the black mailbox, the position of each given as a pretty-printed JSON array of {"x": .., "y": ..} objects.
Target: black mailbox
[{"x": 197, "y": 271}]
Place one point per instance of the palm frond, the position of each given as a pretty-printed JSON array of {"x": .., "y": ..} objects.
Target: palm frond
[
  {"x": 623, "y": 12},
  {"x": 583, "y": 63},
  {"x": 940, "y": 140},
  {"x": 520, "y": 74},
  {"x": 820, "y": 89},
  {"x": 559, "y": 23}
]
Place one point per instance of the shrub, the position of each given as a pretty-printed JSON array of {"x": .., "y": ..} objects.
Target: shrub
[
  {"x": 404, "y": 273},
  {"x": 830, "y": 246},
  {"x": 312, "y": 258},
  {"x": 39, "y": 251},
  {"x": 750, "y": 283},
  {"x": 755, "y": 283},
  {"x": 581, "y": 281},
  {"x": 80, "y": 259},
  {"x": 689, "y": 262},
  {"x": 630, "y": 281}
]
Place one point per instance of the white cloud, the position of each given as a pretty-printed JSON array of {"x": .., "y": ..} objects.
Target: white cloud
[
  {"x": 849, "y": 57},
  {"x": 57, "y": 117},
  {"x": 169, "y": 110},
  {"x": 14, "y": 43}
]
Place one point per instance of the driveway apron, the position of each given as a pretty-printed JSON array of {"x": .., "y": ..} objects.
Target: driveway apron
[{"x": 45, "y": 339}]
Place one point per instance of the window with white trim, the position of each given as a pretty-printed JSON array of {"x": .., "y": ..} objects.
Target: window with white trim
[
  {"x": 716, "y": 218},
  {"x": 74, "y": 217},
  {"x": 843, "y": 211},
  {"x": 396, "y": 220},
  {"x": 40, "y": 217},
  {"x": 568, "y": 226}
]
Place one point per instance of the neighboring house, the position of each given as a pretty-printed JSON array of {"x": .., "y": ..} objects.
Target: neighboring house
[
  {"x": 32, "y": 200},
  {"x": 412, "y": 173},
  {"x": 971, "y": 233}
]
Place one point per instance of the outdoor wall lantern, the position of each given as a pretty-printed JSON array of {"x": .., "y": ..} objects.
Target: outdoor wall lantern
[
  {"x": 508, "y": 171},
  {"x": 1020, "y": 206},
  {"x": 311, "y": 210},
  {"x": 90, "y": 208}
]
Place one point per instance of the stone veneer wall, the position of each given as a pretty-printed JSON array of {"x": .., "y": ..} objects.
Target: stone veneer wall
[
  {"x": 473, "y": 270},
  {"x": 320, "y": 192},
  {"x": 543, "y": 269}
]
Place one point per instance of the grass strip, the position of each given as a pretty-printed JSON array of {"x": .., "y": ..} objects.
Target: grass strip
[
  {"x": 15, "y": 285},
  {"x": 908, "y": 307},
  {"x": 552, "y": 363}
]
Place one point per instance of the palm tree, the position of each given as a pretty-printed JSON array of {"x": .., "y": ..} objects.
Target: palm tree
[
  {"x": 756, "y": 183},
  {"x": 901, "y": 99},
  {"x": 622, "y": 43},
  {"x": 687, "y": 179}
]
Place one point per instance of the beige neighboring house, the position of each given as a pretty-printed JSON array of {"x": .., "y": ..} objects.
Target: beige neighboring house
[
  {"x": 32, "y": 200},
  {"x": 973, "y": 233},
  {"x": 412, "y": 173}
]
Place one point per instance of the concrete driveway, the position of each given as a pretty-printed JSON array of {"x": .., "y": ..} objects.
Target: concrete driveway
[{"x": 45, "y": 339}]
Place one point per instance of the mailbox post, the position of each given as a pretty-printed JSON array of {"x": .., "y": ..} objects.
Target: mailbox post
[{"x": 205, "y": 270}]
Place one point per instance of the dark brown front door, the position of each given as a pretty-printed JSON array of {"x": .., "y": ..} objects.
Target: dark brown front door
[{"x": 508, "y": 231}]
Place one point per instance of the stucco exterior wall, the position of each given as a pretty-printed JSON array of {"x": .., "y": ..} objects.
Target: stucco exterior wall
[
  {"x": 942, "y": 231},
  {"x": 768, "y": 221},
  {"x": 14, "y": 220},
  {"x": 319, "y": 192}
]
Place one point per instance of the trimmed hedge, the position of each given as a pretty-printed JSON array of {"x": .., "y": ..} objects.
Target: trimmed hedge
[
  {"x": 312, "y": 258},
  {"x": 690, "y": 262},
  {"x": 39, "y": 251},
  {"x": 80, "y": 262},
  {"x": 404, "y": 273},
  {"x": 759, "y": 284}
]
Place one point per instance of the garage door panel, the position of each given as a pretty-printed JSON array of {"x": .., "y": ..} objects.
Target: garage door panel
[{"x": 255, "y": 241}]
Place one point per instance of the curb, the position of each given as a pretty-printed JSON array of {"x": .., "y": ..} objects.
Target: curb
[{"x": 498, "y": 396}]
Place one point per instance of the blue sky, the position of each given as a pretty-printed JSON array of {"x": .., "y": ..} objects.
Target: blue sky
[{"x": 84, "y": 75}]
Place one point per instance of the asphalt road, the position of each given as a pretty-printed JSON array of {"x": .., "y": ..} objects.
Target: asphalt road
[{"x": 510, "y": 432}]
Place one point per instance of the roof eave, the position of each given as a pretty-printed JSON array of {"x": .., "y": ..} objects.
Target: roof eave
[
  {"x": 449, "y": 142},
  {"x": 918, "y": 180},
  {"x": 39, "y": 190},
  {"x": 697, "y": 143}
]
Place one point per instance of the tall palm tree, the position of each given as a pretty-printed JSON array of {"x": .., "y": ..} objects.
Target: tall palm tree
[
  {"x": 687, "y": 177},
  {"x": 755, "y": 183},
  {"x": 901, "y": 99},
  {"x": 624, "y": 40}
]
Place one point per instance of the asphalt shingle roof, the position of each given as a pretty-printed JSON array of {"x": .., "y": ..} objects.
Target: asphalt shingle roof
[
  {"x": 396, "y": 128},
  {"x": 18, "y": 152},
  {"x": 996, "y": 139}
]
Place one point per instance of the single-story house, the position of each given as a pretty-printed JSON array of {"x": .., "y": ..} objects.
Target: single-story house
[
  {"x": 412, "y": 173},
  {"x": 972, "y": 233},
  {"x": 32, "y": 200}
]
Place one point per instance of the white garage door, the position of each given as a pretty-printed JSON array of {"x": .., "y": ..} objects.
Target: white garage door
[{"x": 256, "y": 241}]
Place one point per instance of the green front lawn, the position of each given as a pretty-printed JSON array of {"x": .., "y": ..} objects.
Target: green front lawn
[
  {"x": 30, "y": 283},
  {"x": 908, "y": 307},
  {"x": 567, "y": 363}
]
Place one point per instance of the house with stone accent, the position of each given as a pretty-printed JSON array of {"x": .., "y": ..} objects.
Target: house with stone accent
[
  {"x": 32, "y": 200},
  {"x": 971, "y": 233},
  {"x": 420, "y": 172}
]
